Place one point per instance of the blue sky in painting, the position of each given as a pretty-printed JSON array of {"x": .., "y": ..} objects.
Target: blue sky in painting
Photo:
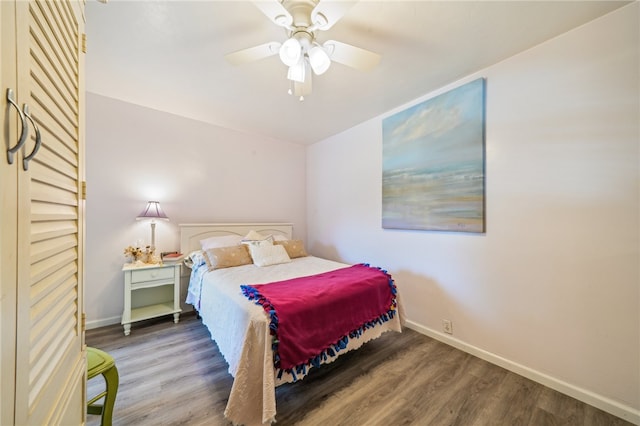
[{"x": 433, "y": 133}]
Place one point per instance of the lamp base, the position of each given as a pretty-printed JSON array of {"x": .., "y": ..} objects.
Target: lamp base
[{"x": 153, "y": 236}]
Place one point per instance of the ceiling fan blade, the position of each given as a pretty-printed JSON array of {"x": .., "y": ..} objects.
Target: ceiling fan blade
[
  {"x": 275, "y": 11},
  {"x": 351, "y": 56},
  {"x": 253, "y": 53},
  {"x": 328, "y": 12}
]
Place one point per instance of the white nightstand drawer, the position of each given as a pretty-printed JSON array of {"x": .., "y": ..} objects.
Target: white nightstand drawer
[{"x": 151, "y": 274}]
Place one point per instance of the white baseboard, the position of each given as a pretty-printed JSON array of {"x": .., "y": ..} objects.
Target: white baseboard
[
  {"x": 116, "y": 320},
  {"x": 606, "y": 404},
  {"x": 103, "y": 322}
]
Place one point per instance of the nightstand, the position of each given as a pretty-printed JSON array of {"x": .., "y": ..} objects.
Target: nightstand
[{"x": 150, "y": 291}]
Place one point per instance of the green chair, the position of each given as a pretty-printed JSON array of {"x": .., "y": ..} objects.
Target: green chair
[{"x": 99, "y": 362}]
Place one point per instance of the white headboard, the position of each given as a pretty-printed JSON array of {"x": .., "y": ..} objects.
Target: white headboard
[{"x": 192, "y": 233}]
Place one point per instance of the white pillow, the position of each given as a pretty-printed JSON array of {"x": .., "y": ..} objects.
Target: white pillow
[
  {"x": 195, "y": 259},
  {"x": 278, "y": 237},
  {"x": 268, "y": 254},
  {"x": 222, "y": 241}
]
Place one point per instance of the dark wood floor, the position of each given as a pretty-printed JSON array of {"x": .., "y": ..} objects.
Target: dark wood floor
[{"x": 173, "y": 374}]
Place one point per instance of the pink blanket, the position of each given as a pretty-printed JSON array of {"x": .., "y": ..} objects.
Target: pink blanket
[{"x": 313, "y": 317}]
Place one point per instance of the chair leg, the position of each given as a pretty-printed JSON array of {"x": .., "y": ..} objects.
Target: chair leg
[
  {"x": 112, "y": 380},
  {"x": 94, "y": 409}
]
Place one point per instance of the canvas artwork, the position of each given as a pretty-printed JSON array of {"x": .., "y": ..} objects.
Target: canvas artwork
[{"x": 433, "y": 163}]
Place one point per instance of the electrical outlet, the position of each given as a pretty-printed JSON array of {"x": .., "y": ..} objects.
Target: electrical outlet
[{"x": 447, "y": 326}]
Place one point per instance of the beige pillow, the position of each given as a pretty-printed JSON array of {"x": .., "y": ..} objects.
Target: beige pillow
[
  {"x": 226, "y": 257},
  {"x": 294, "y": 248}
]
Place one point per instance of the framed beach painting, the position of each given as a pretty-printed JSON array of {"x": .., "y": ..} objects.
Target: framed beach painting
[{"x": 433, "y": 163}]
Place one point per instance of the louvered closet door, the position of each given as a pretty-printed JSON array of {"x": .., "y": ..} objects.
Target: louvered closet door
[
  {"x": 8, "y": 217},
  {"x": 50, "y": 366}
]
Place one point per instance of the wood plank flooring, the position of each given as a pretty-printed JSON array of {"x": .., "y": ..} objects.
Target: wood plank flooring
[{"x": 173, "y": 374}]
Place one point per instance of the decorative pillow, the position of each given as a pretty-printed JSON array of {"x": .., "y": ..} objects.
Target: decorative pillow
[
  {"x": 221, "y": 241},
  {"x": 253, "y": 239},
  {"x": 294, "y": 248},
  {"x": 226, "y": 257},
  {"x": 254, "y": 236},
  {"x": 265, "y": 255},
  {"x": 257, "y": 243}
]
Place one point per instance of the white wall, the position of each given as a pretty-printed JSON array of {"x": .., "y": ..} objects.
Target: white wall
[
  {"x": 199, "y": 173},
  {"x": 552, "y": 289}
]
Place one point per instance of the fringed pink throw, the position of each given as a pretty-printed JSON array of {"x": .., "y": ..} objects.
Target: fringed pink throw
[{"x": 312, "y": 318}]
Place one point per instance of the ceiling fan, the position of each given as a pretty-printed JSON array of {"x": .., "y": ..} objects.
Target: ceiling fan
[{"x": 301, "y": 51}]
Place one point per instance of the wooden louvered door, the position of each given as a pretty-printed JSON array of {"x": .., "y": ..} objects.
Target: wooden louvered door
[
  {"x": 8, "y": 218},
  {"x": 50, "y": 366}
]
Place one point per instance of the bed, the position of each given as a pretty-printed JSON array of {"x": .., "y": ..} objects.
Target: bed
[{"x": 242, "y": 328}]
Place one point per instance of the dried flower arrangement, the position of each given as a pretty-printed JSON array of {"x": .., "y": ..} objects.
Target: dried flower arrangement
[
  {"x": 142, "y": 255},
  {"x": 133, "y": 252}
]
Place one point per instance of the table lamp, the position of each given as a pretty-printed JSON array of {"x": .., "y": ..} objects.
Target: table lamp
[{"x": 153, "y": 212}]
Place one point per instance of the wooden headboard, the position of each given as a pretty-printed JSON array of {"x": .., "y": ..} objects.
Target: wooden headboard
[{"x": 192, "y": 233}]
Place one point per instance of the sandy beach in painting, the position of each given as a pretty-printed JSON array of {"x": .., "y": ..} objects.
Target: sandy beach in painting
[{"x": 438, "y": 201}]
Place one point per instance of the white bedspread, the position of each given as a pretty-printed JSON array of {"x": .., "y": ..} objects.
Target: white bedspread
[{"x": 241, "y": 330}]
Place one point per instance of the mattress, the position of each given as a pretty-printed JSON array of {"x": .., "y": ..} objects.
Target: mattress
[{"x": 240, "y": 328}]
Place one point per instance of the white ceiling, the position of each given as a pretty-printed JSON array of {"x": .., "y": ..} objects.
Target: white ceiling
[{"x": 169, "y": 56}]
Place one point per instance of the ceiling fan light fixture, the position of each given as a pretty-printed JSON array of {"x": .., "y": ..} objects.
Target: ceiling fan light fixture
[
  {"x": 290, "y": 52},
  {"x": 297, "y": 72},
  {"x": 301, "y": 53},
  {"x": 319, "y": 60}
]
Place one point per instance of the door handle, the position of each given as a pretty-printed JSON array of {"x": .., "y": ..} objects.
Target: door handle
[
  {"x": 23, "y": 132},
  {"x": 25, "y": 160}
]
